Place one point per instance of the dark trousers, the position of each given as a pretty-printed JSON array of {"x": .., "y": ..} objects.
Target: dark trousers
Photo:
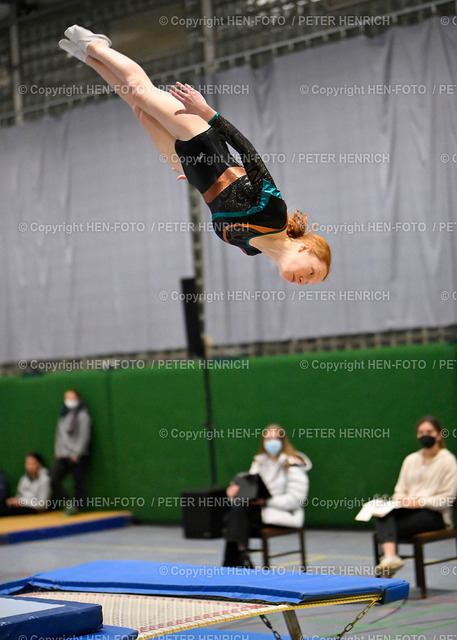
[
  {"x": 401, "y": 524},
  {"x": 241, "y": 521},
  {"x": 61, "y": 469},
  {"x": 16, "y": 511}
]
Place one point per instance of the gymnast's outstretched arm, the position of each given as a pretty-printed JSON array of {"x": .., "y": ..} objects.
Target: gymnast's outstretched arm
[{"x": 194, "y": 102}]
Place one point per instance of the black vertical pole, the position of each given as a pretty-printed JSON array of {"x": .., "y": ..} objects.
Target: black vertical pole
[
  {"x": 209, "y": 422},
  {"x": 196, "y": 348}
]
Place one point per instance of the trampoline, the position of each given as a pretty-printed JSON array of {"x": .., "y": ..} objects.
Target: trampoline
[{"x": 159, "y": 599}]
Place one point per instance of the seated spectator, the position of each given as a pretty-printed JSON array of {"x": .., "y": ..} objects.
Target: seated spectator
[
  {"x": 284, "y": 472},
  {"x": 3, "y": 488},
  {"x": 71, "y": 450},
  {"x": 426, "y": 487},
  {"x": 33, "y": 490}
]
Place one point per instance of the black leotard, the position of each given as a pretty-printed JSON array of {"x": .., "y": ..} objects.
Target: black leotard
[{"x": 250, "y": 205}]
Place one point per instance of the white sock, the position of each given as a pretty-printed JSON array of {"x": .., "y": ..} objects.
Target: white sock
[
  {"x": 72, "y": 49},
  {"x": 83, "y": 37}
]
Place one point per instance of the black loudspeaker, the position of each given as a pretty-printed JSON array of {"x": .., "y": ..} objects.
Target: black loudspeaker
[
  {"x": 195, "y": 346},
  {"x": 203, "y": 512}
]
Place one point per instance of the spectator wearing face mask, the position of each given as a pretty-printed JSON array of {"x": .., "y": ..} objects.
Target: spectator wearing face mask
[
  {"x": 284, "y": 472},
  {"x": 71, "y": 450},
  {"x": 426, "y": 487},
  {"x": 33, "y": 490}
]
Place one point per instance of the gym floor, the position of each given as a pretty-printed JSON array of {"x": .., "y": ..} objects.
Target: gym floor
[{"x": 328, "y": 551}]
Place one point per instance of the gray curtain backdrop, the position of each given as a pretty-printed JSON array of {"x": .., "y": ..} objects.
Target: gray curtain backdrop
[
  {"x": 385, "y": 214},
  {"x": 96, "y": 290}
]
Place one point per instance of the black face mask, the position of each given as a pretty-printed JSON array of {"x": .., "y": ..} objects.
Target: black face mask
[{"x": 427, "y": 441}]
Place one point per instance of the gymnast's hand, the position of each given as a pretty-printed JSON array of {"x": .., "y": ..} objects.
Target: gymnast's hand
[
  {"x": 193, "y": 101},
  {"x": 180, "y": 176},
  {"x": 232, "y": 490}
]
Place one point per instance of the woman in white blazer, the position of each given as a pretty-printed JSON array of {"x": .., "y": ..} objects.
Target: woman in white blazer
[{"x": 285, "y": 474}]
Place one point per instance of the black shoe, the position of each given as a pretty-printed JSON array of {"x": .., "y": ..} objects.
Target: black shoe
[
  {"x": 231, "y": 558},
  {"x": 245, "y": 560}
]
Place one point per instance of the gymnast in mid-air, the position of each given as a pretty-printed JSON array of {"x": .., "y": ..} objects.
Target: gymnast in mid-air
[{"x": 247, "y": 209}]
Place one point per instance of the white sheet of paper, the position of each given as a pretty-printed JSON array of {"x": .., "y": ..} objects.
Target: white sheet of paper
[{"x": 378, "y": 508}]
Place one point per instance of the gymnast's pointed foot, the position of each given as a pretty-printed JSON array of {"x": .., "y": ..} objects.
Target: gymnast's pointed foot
[
  {"x": 83, "y": 37},
  {"x": 72, "y": 49}
]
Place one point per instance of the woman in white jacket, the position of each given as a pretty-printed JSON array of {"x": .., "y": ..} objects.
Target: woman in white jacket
[{"x": 285, "y": 474}]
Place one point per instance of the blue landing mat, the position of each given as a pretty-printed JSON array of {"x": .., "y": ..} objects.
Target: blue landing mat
[
  {"x": 160, "y": 578},
  {"x": 32, "y": 618},
  {"x": 112, "y": 633},
  {"x": 55, "y": 524}
]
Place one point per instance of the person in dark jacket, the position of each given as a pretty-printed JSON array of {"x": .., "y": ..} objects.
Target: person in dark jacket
[{"x": 71, "y": 449}]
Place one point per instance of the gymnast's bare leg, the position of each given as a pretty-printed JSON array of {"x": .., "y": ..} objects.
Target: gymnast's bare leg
[
  {"x": 151, "y": 105},
  {"x": 162, "y": 139},
  {"x": 157, "y": 103}
]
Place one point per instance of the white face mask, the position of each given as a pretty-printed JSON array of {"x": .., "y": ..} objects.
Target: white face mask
[
  {"x": 273, "y": 446},
  {"x": 71, "y": 403}
]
